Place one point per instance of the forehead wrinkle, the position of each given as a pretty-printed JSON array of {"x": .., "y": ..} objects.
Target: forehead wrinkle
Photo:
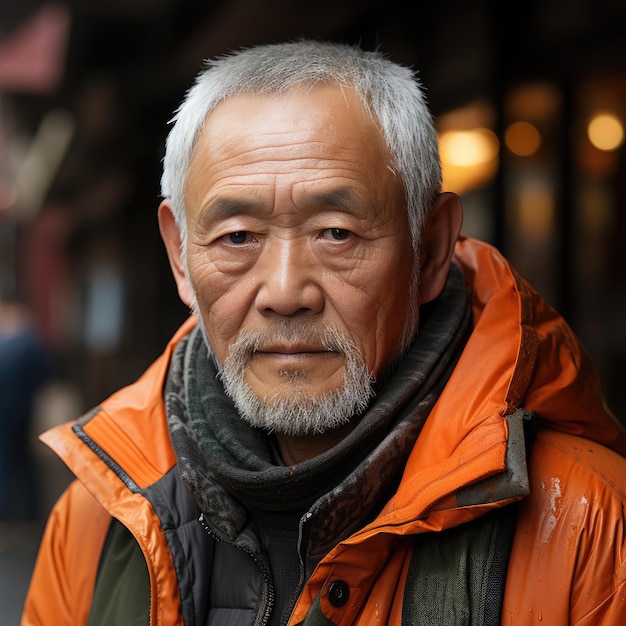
[{"x": 273, "y": 147}]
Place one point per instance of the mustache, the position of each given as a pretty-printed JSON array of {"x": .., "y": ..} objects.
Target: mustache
[{"x": 291, "y": 332}]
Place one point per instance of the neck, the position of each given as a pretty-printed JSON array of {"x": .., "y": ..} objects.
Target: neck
[{"x": 296, "y": 449}]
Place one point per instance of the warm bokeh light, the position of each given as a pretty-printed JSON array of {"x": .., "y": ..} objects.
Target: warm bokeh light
[
  {"x": 535, "y": 210},
  {"x": 468, "y": 148},
  {"x": 606, "y": 131},
  {"x": 522, "y": 138},
  {"x": 468, "y": 157},
  {"x": 534, "y": 102}
]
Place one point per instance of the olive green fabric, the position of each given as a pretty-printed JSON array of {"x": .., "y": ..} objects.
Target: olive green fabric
[
  {"x": 315, "y": 617},
  {"x": 122, "y": 593},
  {"x": 457, "y": 577}
]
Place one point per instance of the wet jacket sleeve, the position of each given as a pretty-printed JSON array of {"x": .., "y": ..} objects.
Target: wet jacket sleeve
[
  {"x": 63, "y": 579},
  {"x": 568, "y": 564}
]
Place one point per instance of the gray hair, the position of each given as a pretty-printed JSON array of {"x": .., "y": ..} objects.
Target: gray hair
[{"x": 389, "y": 91}]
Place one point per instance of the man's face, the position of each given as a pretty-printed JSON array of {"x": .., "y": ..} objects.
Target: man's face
[{"x": 297, "y": 224}]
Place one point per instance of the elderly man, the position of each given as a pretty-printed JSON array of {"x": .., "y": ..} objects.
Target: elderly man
[{"x": 368, "y": 419}]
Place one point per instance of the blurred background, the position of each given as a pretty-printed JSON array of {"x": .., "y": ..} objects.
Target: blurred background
[{"x": 530, "y": 101}]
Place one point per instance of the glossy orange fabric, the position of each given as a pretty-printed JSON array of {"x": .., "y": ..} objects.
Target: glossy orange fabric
[{"x": 568, "y": 559}]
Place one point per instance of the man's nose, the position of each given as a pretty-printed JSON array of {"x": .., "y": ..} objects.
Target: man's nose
[{"x": 288, "y": 276}]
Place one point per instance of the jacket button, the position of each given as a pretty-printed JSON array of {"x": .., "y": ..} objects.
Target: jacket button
[{"x": 338, "y": 593}]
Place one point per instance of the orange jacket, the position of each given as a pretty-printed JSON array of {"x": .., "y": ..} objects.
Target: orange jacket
[{"x": 568, "y": 560}]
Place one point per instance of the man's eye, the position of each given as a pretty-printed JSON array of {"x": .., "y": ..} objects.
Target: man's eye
[
  {"x": 338, "y": 234},
  {"x": 238, "y": 237}
]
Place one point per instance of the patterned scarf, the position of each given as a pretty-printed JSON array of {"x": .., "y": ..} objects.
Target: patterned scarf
[{"x": 229, "y": 467}]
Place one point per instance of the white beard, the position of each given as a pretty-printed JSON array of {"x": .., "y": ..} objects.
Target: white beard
[{"x": 299, "y": 413}]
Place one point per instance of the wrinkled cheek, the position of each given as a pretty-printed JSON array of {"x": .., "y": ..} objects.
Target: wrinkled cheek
[
  {"x": 223, "y": 322},
  {"x": 388, "y": 331}
]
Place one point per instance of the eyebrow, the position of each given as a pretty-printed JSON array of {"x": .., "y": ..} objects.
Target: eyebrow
[
  {"x": 337, "y": 197},
  {"x": 341, "y": 198},
  {"x": 223, "y": 208}
]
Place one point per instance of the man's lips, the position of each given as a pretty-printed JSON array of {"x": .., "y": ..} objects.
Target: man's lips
[
  {"x": 292, "y": 348},
  {"x": 292, "y": 353}
]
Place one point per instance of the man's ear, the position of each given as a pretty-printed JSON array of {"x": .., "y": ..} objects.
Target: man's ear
[
  {"x": 441, "y": 230},
  {"x": 171, "y": 238}
]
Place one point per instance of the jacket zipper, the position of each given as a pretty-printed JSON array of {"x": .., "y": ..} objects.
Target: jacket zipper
[
  {"x": 267, "y": 599},
  {"x": 120, "y": 473},
  {"x": 302, "y": 541}
]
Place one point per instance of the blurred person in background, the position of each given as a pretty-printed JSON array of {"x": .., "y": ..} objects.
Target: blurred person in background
[
  {"x": 24, "y": 370},
  {"x": 369, "y": 418}
]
